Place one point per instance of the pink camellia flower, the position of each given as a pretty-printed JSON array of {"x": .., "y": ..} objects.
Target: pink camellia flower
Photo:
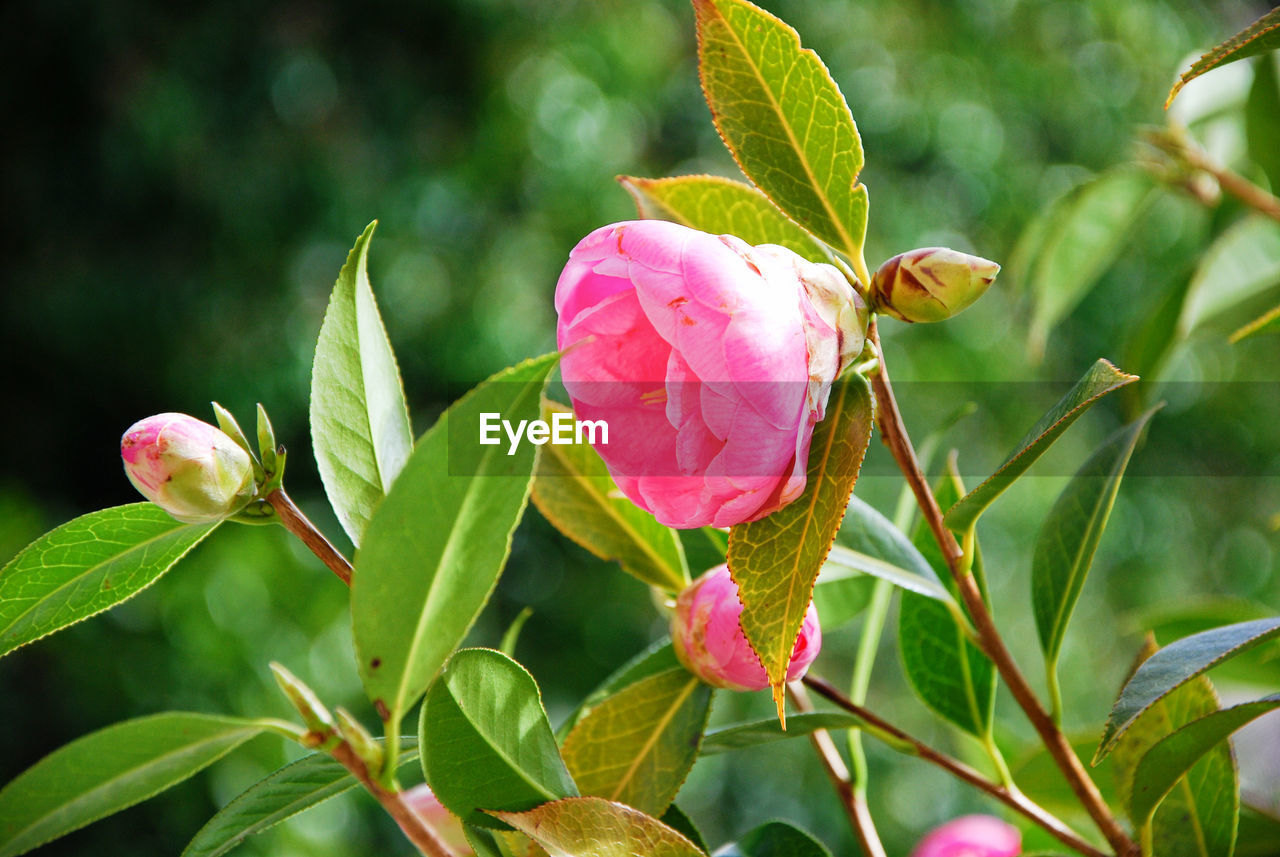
[
  {"x": 445, "y": 824},
  {"x": 710, "y": 643},
  {"x": 189, "y": 468},
  {"x": 708, "y": 359},
  {"x": 971, "y": 836}
]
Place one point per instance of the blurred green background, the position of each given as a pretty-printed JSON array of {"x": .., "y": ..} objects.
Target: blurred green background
[{"x": 181, "y": 184}]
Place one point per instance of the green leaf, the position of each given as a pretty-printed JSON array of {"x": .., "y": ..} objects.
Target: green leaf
[
  {"x": 87, "y": 565},
  {"x": 573, "y": 490},
  {"x": 775, "y": 561},
  {"x": 677, "y": 820},
  {"x": 109, "y": 770},
  {"x": 359, "y": 420},
  {"x": 1173, "y": 620},
  {"x": 1199, "y": 818},
  {"x": 1240, "y": 268},
  {"x": 512, "y": 635},
  {"x": 1174, "y": 755},
  {"x": 292, "y": 789},
  {"x": 1262, "y": 119},
  {"x": 844, "y": 565},
  {"x": 595, "y": 827},
  {"x": 1268, "y": 322},
  {"x": 1177, "y": 664},
  {"x": 947, "y": 670},
  {"x": 741, "y": 736},
  {"x": 1070, "y": 535},
  {"x": 1083, "y": 235},
  {"x": 841, "y": 597},
  {"x": 658, "y": 657},
  {"x": 1102, "y": 378},
  {"x": 1259, "y": 37},
  {"x": 485, "y": 740},
  {"x": 775, "y": 839},
  {"x": 638, "y": 745},
  {"x": 869, "y": 543},
  {"x": 436, "y": 545},
  {"x": 1259, "y": 833},
  {"x": 784, "y": 119},
  {"x": 722, "y": 206},
  {"x": 704, "y": 548}
]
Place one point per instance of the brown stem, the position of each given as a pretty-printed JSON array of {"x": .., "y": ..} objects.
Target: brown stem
[
  {"x": 422, "y": 836},
  {"x": 1011, "y": 798},
  {"x": 1234, "y": 183},
  {"x": 296, "y": 522},
  {"x": 855, "y": 805},
  {"x": 895, "y": 437}
]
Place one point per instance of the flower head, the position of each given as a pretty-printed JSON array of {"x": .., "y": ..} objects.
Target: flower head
[
  {"x": 709, "y": 641},
  {"x": 189, "y": 468},
  {"x": 710, "y": 361},
  {"x": 971, "y": 836}
]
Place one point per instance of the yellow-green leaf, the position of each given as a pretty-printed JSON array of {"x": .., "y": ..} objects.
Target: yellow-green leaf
[
  {"x": 784, "y": 119},
  {"x": 1259, "y": 37},
  {"x": 595, "y": 827},
  {"x": 573, "y": 490},
  {"x": 722, "y": 206},
  {"x": 775, "y": 561},
  {"x": 637, "y": 746}
]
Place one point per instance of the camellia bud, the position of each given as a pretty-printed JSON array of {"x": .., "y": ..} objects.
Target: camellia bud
[
  {"x": 446, "y": 825},
  {"x": 187, "y": 467},
  {"x": 930, "y": 284},
  {"x": 971, "y": 836},
  {"x": 709, "y": 641}
]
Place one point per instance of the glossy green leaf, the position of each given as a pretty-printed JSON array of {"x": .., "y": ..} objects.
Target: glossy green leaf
[
  {"x": 595, "y": 827},
  {"x": 1173, "y": 620},
  {"x": 1070, "y": 535},
  {"x": 436, "y": 545},
  {"x": 573, "y": 490},
  {"x": 1241, "y": 267},
  {"x": 844, "y": 565},
  {"x": 659, "y": 657},
  {"x": 841, "y": 598},
  {"x": 677, "y": 820},
  {"x": 292, "y": 789},
  {"x": 88, "y": 565},
  {"x": 511, "y": 636},
  {"x": 1268, "y": 322},
  {"x": 1259, "y": 37},
  {"x": 775, "y": 561},
  {"x": 485, "y": 740},
  {"x": 1083, "y": 235},
  {"x": 1258, "y": 834},
  {"x": 1174, "y": 755},
  {"x": 947, "y": 669},
  {"x": 359, "y": 419},
  {"x": 741, "y": 736},
  {"x": 109, "y": 770},
  {"x": 722, "y": 206},
  {"x": 784, "y": 119},
  {"x": 775, "y": 839},
  {"x": 1101, "y": 379},
  {"x": 638, "y": 745},
  {"x": 1262, "y": 118},
  {"x": 1198, "y": 819},
  {"x": 1177, "y": 664}
]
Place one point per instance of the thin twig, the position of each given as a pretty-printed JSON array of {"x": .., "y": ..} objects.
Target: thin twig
[
  {"x": 894, "y": 435},
  {"x": 855, "y": 804},
  {"x": 296, "y": 522},
  {"x": 422, "y": 836},
  {"x": 1011, "y": 798},
  {"x": 1175, "y": 143}
]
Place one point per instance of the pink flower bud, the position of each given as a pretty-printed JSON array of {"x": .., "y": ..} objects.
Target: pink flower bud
[
  {"x": 710, "y": 643},
  {"x": 445, "y": 824},
  {"x": 971, "y": 836},
  {"x": 709, "y": 360},
  {"x": 930, "y": 284},
  {"x": 187, "y": 467}
]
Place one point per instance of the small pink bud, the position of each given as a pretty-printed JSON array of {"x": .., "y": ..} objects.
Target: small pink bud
[
  {"x": 930, "y": 284},
  {"x": 709, "y": 640},
  {"x": 445, "y": 824},
  {"x": 187, "y": 467},
  {"x": 971, "y": 836},
  {"x": 709, "y": 360}
]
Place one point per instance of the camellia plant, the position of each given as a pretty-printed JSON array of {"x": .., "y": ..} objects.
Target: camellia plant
[{"x": 725, "y": 378}]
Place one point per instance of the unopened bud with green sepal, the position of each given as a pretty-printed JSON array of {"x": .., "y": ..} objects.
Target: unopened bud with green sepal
[
  {"x": 192, "y": 470},
  {"x": 930, "y": 284}
]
